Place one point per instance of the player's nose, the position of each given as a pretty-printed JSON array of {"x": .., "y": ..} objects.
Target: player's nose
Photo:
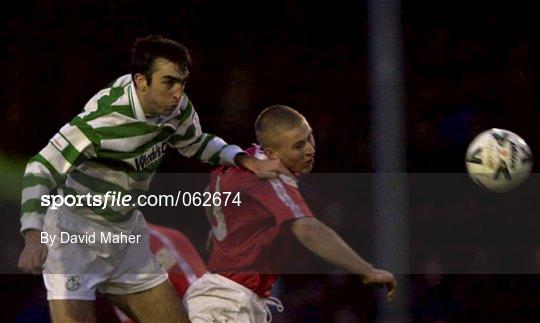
[
  {"x": 177, "y": 93},
  {"x": 310, "y": 149}
]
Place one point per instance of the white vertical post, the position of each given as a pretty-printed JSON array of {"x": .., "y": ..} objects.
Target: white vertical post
[{"x": 388, "y": 135}]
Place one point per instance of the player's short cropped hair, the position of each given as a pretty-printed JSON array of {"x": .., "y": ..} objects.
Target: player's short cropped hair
[
  {"x": 146, "y": 50},
  {"x": 273, "y": 120}
]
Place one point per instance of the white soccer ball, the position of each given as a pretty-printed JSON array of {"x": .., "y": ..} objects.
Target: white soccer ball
[{"x": 498, "y": 160}]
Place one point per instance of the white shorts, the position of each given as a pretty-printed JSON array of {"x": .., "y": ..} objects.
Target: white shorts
[
  {"x": 75, "y": 270},
  {"x": 214, "y": 298}
]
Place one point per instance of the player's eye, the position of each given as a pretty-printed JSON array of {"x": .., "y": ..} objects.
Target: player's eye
[{"x": 168, "y": 83}]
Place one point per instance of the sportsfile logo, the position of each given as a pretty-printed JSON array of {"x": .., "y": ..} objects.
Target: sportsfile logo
[{"x": 148, "y": 158}]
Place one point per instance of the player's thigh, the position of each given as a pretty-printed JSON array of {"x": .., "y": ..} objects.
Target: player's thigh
[
  {"x": 158, "y": 304},
  {"x": 72, "y": 311},
  {"x": 209, "y": 308},
  {"x": 214, "y": 298},
  {"x": 212, "y": 308}
]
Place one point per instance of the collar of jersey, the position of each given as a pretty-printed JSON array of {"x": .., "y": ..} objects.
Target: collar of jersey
[
  {"x": 259, "y": 154},
  {"x": 136, "y": 104},
  {"x": 139, "y": 113}
]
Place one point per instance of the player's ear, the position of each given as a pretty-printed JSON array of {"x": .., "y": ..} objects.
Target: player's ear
[
  {"x": 270, "y": 153},
  {"x": 140, "y": 81}
]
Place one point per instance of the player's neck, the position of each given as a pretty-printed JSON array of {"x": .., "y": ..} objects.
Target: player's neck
[{"x": 144, "y": 105}]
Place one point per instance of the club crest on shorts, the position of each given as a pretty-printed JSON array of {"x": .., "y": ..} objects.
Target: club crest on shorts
[{"x": 73, "y": 283}]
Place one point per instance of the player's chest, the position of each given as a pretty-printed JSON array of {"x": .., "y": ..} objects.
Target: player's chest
[{"x": 141, "y": 152}]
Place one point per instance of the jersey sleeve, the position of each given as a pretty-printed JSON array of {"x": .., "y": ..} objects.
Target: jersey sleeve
[
  {"x": 281, "y": 197},
  {"x": 192, "y": 142},
  {"x": 47, "y": 170}
]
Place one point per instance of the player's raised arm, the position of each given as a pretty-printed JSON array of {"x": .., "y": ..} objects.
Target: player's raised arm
[{"x": 327, "y": 244}]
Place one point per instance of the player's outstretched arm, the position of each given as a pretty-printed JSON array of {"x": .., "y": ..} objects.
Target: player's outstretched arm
[{"x": 327, "y": 244}]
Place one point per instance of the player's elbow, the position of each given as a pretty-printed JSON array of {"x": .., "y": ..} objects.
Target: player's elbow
[{"x": 309, "y": 229}]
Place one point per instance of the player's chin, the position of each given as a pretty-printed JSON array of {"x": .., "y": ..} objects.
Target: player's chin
[
  {"x": 167, "y": 111},
  {"x": 306, "y": 169}
]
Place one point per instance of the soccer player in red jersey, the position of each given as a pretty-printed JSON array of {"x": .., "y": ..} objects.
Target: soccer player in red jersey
[{"x": 237, "y": 286}]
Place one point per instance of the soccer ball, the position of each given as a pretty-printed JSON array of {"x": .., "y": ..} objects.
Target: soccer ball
[{"x": 498, "y": 160}]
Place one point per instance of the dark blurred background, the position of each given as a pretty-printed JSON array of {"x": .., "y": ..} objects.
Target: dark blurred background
[{"x": 468, "y": 67}]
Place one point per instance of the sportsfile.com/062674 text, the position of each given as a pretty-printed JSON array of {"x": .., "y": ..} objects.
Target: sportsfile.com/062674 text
[{"x": 121, "y": 199}]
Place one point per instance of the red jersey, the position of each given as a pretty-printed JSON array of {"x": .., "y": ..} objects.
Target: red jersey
[
  {"x": 177, "y": 256},
  {"x": 243, "y": 234}
]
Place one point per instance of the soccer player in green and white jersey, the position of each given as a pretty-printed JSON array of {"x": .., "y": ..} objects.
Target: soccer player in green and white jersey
[{"x": 116, "y": 144}]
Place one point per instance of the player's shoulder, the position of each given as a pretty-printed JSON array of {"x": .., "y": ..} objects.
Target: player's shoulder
[
  {"x": 233, "y": 177},
  {"x": 110, "y": 106},
  {"x": 116, "y": 94},
  {"x": 257, "y": 152},
  {"x": 244, "y": 178},
  {"x": 121, "y": 82},
  {"x": 288, "y": 180}
]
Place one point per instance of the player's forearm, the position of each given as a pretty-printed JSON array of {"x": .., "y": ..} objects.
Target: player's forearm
[
  {"x": 38, "y": 180},
  {"x": 210, "y": 149},
  {"x": 32, "y": 236},
  {"x": 327, "y": 244},
  {"x": 192, "y": 142},
  {"x": 243, "y": 160}
]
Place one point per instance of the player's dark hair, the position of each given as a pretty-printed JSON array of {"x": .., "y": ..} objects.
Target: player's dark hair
[
  {"x": 146, "y": 50},
  {"x": 275, "y": 118}
]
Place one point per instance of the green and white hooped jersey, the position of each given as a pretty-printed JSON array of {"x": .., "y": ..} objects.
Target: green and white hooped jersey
[{"x": 112, "y": 146}]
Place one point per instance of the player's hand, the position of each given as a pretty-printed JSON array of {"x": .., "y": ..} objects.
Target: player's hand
[
  {"x": 266, "y": 168},
  {"x": 34, "y": 253},
  {"x": 381, "y": 277}
]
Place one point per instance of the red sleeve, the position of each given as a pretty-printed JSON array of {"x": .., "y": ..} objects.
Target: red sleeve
[
  {"x": 184, "y": 252},
  {"x": 281, "y": 197},
  {"x": 188, "y": 251}
]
